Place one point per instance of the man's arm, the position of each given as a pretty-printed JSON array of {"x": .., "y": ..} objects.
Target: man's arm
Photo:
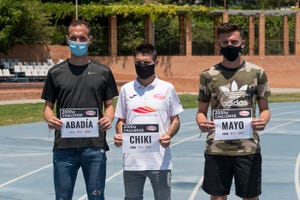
[
  {"x": 118, "y": 136},
  {"x": 174, "y": 126},
  {"x": 204, "y": 124},
  {"x": 260, "y": 123},
  {"x": 49, "y": 116},
  {"x": 165, "y": 139},
  {"x": 105, "y": 122}
]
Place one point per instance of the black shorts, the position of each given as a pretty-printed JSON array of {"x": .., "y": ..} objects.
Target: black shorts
[{"x": 219, "y": 172}]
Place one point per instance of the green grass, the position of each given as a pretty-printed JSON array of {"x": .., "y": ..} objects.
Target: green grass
[
  {"x": 21, "y": 113},
  {"x": 33, "y": 112},
  {"x": 288, "y": 97}
]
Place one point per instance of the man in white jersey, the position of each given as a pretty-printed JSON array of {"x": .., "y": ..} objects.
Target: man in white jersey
[{"x": 147, "y": 112}]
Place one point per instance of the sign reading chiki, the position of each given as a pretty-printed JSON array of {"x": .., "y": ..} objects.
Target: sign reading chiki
[
  {"x": 79, "y": 122},
  {"x": 140, "y": 138},
  {"x": 233, "y": 124}
]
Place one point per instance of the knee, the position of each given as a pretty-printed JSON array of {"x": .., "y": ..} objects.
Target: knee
[
  {"x": 95, "y": 194},
  {"x": 218, "y": 198}
]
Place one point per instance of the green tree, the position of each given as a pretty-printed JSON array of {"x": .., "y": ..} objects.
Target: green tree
[
  {"x": 80, "y": 2},
  {"x": 23, "y": 22},
  {"x": 11, "y": 14}
]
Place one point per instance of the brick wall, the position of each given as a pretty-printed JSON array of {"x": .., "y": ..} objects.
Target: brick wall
[{"x": 182, "y": 71}]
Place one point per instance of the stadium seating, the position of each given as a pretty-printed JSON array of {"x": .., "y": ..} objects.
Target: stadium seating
[
  {"x": 5, "y": 74},
  {"x": 14, "y": 70}
]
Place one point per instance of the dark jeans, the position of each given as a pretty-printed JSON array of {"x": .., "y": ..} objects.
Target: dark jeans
[
  {"x": 66, "y": 163},
  {"x": 134, "y": 182}
]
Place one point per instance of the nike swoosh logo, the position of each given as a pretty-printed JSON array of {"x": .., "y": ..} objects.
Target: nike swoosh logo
[{"x": 132, "y": 96}]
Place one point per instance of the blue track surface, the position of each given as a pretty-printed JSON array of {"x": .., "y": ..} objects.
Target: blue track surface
[{"x": 26, "y": 160}]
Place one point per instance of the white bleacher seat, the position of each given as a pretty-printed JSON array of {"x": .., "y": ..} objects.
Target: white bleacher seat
[
  {"x": 6, "y": 73},
  {"x": 45, "y": 72},
  {"x": 50, "y": 61},
  {"x": 30, "y": 67},
  {"x": 44, "y": 64},
  {"x": 32, "y": 63},
  {"x": 17, "y": 68},
  {"x": 23, "y": 68},
  {"x": 40, "y": 72},
  {"x": 60, "y": 60},
  {"x": 28, "y": 73},
  {"x": 36, "y": 67},
  {"x": 6, "y": 65},
  {"x": 13, "y": 63},
  {"x": 41, "y": 67},
  {"x": 35, "y": 72}
]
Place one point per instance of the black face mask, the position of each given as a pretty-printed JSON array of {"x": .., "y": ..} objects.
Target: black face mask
[
  {"x": 144, "y": 71},
  {"x": 231, "y": 53}
]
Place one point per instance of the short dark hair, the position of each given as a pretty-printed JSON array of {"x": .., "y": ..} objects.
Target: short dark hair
[
  {"x": 78, "y": 22},
  {"x": 229, "y": 28},
  {"x": 146, "y": 48}
]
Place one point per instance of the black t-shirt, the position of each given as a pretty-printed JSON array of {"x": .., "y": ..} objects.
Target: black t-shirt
[{"x": 86, "y": 86}]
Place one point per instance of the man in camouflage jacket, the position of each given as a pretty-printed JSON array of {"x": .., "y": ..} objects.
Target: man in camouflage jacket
[{"x": 233, "y": 89}]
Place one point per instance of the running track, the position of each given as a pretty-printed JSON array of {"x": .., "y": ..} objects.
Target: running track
[{"x": 26, "y": 166}]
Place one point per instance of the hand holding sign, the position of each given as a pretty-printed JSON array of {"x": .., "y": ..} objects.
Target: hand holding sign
[
  {"x": 118, "y": 140},
  {"x": 233, "y": 124},
  {"x": 165, "y": 140},
  {"x": 258, "y": 124},
  {"x": 140, "y": 138}
]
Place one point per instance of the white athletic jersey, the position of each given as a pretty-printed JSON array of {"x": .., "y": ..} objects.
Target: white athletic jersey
[{"x": 154, "y": 104}]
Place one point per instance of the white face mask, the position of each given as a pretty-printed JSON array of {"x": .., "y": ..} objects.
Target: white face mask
[{"x": 78, "y": 48}]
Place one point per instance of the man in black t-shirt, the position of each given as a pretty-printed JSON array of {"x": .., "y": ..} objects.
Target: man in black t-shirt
[{"x": 82, "y": 90}]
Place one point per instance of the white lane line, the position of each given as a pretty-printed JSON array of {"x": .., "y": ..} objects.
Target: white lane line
[
  {"x": 285, "y": 132},
  {"x": 83, "y": 197},
  {"x": 25, "y": 175},
  {"x": 184, "y": 140},
  {"x": 285, "y": 119},
  {"x": 283, "y": 113},
  {"x": 297, "y": 184},
  {"x": 189, "y": 123},
  {"x": 280, "y": 125},
  {"x": 113, "y": 176},
  {"x": 196, "y": 188}
]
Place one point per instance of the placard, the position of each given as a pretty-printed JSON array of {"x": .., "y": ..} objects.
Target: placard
[
  {"x": 233, "y": 124},
  {"x": 79, "y": 122},
  {"x": 140, "y": 138}
]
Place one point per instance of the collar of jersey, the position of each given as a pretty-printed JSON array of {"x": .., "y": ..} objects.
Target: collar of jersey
[{"x": 153, "y": 84}]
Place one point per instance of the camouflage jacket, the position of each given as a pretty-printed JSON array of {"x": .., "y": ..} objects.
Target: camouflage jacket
[{"x": 226, "y": 88}]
